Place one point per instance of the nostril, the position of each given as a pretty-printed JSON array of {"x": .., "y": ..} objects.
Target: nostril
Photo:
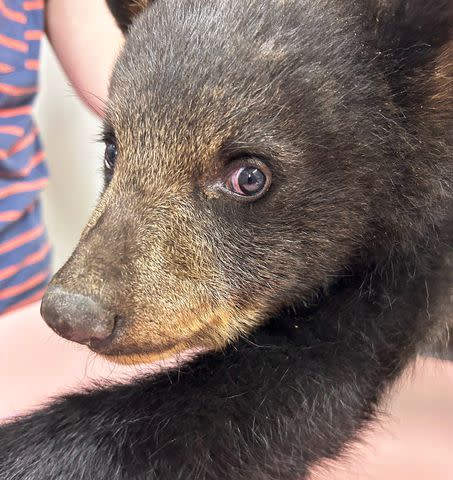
[
  {"x": 98, "y": 343},
  {"x": 76, "y": 317}
]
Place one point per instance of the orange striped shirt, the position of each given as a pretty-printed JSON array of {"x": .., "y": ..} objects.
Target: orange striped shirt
[{"x": 24, "y": 248}]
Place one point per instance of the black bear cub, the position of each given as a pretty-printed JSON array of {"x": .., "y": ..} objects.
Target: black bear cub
[{"x": 278, "y": 182}]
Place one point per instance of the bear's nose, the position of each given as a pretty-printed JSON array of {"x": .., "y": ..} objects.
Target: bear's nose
[{"x": 76, "y": 317}]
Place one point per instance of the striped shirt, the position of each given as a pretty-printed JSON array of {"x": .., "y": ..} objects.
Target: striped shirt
[{"x": 24, "y": 248}]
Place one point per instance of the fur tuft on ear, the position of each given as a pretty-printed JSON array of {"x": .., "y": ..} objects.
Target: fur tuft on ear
[
  {"x": 404, "y": 25},
  {"x": 414, "y": 40},
  {"x": 125, "y": 10}
]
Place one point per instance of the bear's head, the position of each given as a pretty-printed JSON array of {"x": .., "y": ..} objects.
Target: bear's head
[{"x": 254, "y": 152}]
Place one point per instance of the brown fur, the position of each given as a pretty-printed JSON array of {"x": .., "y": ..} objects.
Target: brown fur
[
  {"x": 310, "y": 300},
  {"x": 158, "y": 257}
]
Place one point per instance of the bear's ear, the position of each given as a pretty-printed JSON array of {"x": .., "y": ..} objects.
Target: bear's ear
[
  {"x": 404, "y": 27},
  {"x": 125, "y": 10}
]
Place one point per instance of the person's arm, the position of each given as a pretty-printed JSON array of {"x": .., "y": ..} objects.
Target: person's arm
[{"x": 87, "y": 42}]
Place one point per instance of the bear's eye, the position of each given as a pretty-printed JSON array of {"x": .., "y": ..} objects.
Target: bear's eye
[
  {"x": 110, "y": 156},
  {"x": 249, "y": 179}
]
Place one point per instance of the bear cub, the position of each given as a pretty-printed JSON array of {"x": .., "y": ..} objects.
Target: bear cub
[{"x": 278, "y": 185}]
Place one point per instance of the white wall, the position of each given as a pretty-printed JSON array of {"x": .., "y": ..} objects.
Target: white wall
[{"x": 69, "y": 132}]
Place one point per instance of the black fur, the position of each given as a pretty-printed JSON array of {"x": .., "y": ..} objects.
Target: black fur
[
  {"x": 269, "y": 407},
  {"x": 123, "y": 12},
  {"x": 302, "y": 386}
]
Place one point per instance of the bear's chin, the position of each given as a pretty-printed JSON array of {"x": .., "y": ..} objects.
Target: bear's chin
[{"x": 173, "y": 356}]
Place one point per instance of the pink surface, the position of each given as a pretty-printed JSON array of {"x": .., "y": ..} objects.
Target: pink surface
[
  {"x": 413, "y": 440},
  {"x": 36, "y": 364}
]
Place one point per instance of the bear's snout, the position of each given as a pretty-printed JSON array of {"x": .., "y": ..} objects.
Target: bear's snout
[{"x": 77, "y": 317}]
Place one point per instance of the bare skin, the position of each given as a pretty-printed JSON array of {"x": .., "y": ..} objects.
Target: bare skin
[{"x": 86, "y": 41}]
